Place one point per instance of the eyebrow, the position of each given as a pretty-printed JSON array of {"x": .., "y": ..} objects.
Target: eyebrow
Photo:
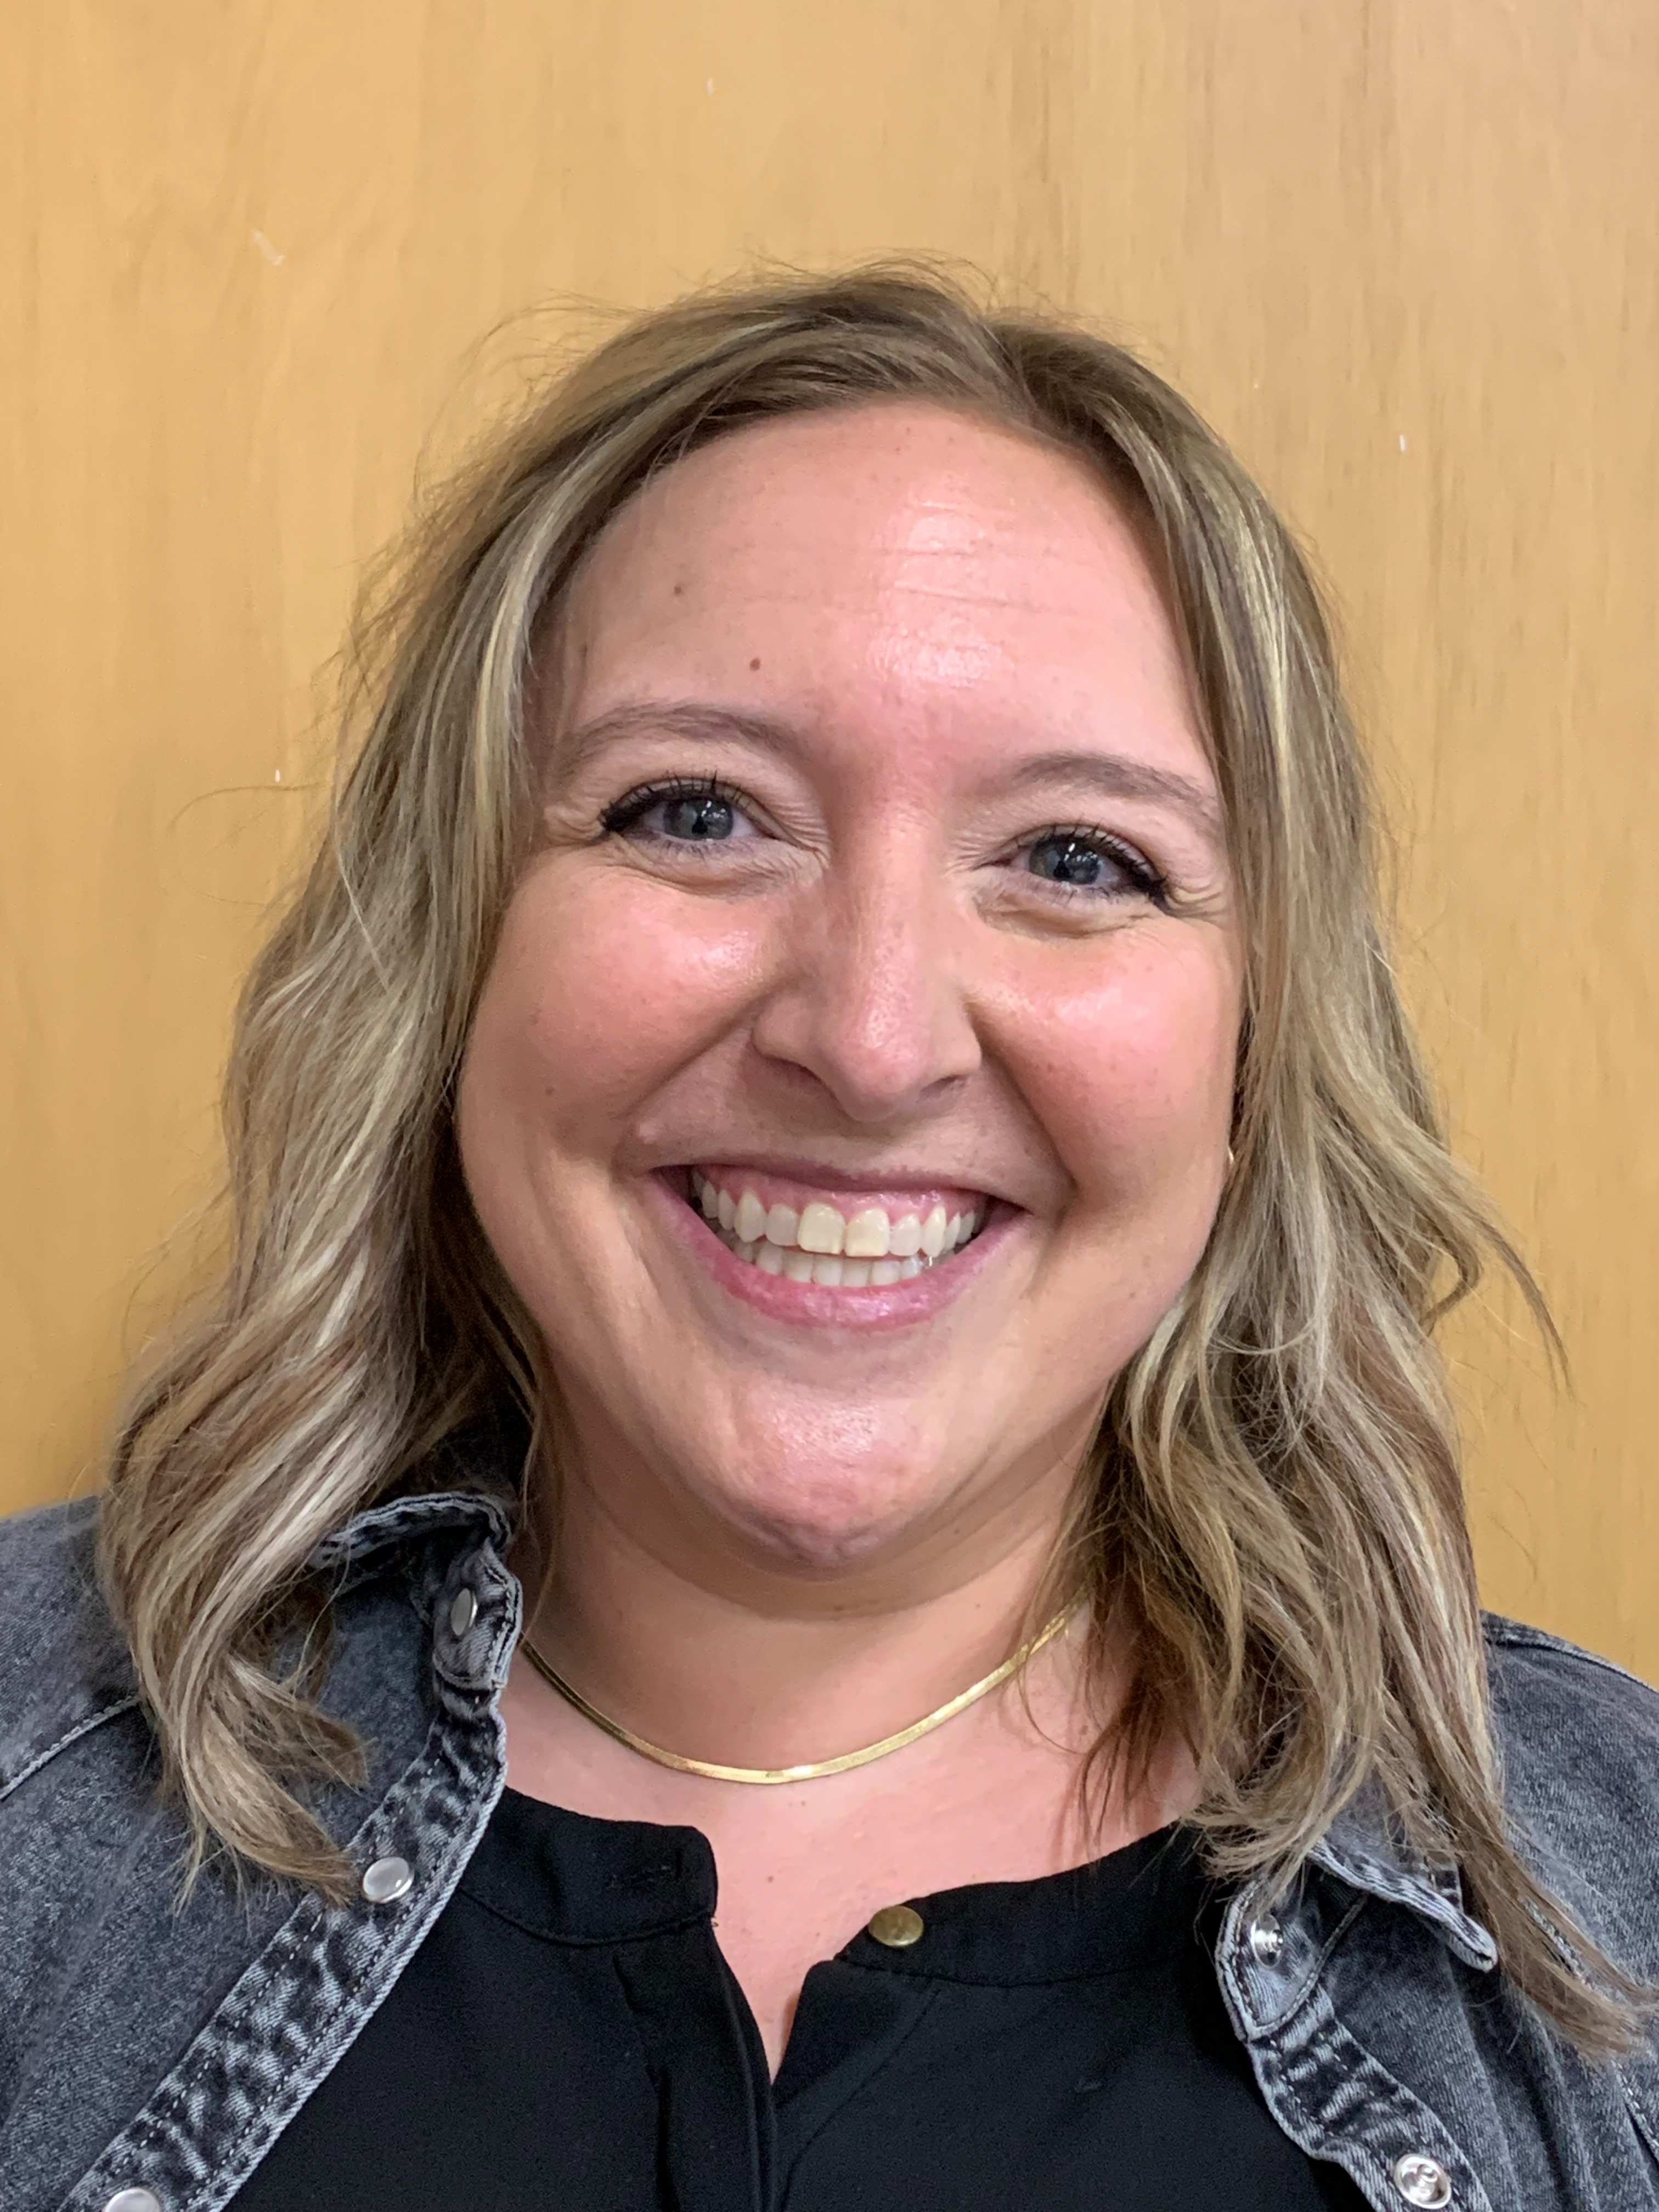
[
  {"x": 1117, "y": 776},
  {"x": 673, "y": 718},
  {"x": 1114, "y": 775}
]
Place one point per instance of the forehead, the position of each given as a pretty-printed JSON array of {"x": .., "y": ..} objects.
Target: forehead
[{"x": 885, "y": 558}]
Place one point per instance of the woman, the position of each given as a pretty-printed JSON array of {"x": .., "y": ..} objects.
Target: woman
[{"x": 837, "y": 1228}]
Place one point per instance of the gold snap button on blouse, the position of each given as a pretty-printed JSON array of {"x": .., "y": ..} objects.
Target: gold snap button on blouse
[{"x": 897, "y": 1926}]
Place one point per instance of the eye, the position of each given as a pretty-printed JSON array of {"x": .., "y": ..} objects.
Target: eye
[
  {"x": 701, "y": 817},
  {"x": 1089, "y": 862},
  {"x": 681, "y": 812}
]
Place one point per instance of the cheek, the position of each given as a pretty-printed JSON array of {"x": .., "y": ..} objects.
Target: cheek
[
  {"x": 1131, "y": 1075},
  {"x": 600, "y": 992}
]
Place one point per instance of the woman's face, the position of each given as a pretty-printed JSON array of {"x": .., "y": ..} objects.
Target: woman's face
[{"x": 880, "y": 904}]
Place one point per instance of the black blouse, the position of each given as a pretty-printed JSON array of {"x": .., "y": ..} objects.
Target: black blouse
[{"x": 569, "y": 2039}]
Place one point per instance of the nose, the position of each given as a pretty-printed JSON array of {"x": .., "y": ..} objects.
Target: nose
[{"x": 870, "y": 998}]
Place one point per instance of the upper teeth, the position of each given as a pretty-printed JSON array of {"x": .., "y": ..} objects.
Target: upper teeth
[{"x": 899, "y": 1246}]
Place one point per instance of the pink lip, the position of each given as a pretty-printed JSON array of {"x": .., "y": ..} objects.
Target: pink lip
[{"x": 809, "y": 1304}]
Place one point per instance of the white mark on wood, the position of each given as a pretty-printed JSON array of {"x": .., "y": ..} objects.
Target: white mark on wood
[
  {"x": 1403, "y": 441},
  {"x": 711, "y": 88},
  {"x": 278, "y": 777},
  {"x": 266, "y": 247}
]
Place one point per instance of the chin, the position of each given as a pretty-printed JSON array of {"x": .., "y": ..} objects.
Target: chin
[{"x": 825, "y": 1521}]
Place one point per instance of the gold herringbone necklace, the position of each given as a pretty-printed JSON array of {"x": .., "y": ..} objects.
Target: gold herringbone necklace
[{"x": 769, "y": 1777}]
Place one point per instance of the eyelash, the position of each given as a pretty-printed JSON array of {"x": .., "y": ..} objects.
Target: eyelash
[{"x": 623, "y": 813}]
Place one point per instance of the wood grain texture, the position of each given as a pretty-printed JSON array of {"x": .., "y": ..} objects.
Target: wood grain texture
[{"x": 1404, "y": 256}]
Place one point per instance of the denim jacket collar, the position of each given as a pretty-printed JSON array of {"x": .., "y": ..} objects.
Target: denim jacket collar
[
  {"x": 1362, "y": 1847},
  {"x": 396, "y": 1521}
]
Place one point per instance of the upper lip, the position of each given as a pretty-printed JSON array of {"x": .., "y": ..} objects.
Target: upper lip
[{"x": 869, "y": 1176}]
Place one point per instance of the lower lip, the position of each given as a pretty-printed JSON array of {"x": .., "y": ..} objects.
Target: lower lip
[{"x": 812, "y": 1305}]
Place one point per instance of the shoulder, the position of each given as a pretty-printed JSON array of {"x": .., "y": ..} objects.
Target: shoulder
[
  {"x": 1566, "y": 1713},
  {"x": 63, "y": 1664},
  {"x": 63, "y": 1660},
  {"x": 1578, "y": 1743}
]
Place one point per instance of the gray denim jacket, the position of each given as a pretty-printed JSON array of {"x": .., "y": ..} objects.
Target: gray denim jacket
[{"x": 150, "y": 2055}]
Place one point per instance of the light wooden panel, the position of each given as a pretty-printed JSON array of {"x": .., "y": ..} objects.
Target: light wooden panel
[{"x": 1404, "y": 255}]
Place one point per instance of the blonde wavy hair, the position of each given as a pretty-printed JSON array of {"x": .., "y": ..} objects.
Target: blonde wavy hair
[{"x": 1274, "y": 1505}]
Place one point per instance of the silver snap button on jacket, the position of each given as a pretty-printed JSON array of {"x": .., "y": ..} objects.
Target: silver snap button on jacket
[
  {"x": 134, "y": 2200},
  {"x": 1422, "y": 2180},
  {"x": 386, "y": 1881},
  {"x": 1266, "y": 1939},
  {"x": 463, "y": 1611}
]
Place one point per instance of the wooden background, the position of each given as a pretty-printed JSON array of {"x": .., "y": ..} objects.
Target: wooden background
[{"x": 1402, "y": 252}]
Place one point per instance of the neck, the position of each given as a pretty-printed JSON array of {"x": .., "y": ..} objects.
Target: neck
[{"x": 708, "y": 1646}]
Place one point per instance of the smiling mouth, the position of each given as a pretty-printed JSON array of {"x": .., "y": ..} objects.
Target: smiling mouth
[{"x": 868, "y": 1245}]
